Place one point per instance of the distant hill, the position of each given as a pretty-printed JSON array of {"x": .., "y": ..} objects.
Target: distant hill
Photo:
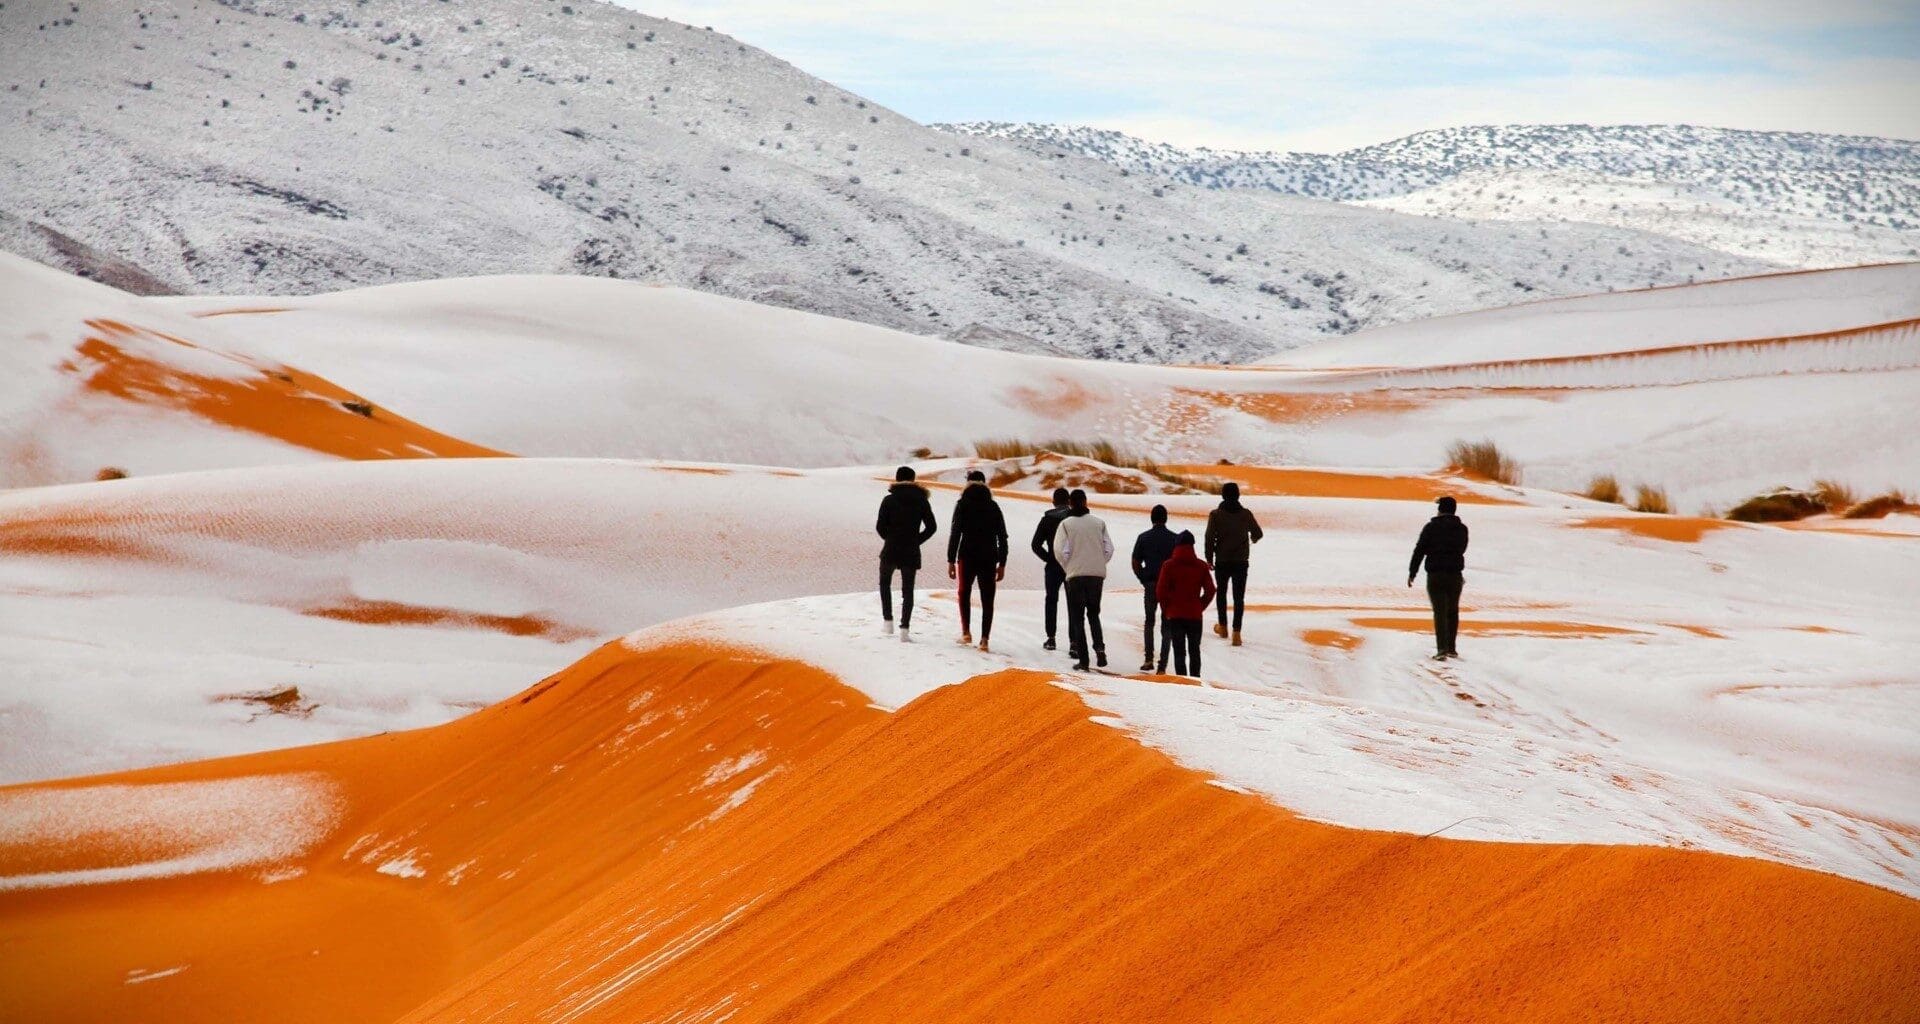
[
  {"x": 289, "y": 146},
  {"x": 1793, "y": 198}
]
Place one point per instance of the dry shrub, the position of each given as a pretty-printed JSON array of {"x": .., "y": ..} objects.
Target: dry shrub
[
  {"x": 1651, "y": 498},
  {"x": 1881, "y": 505},
  {"x": 1833, "y": 495},
  {"x": 1098, "y": 451},
  {"x": 1483, "y": 459},
  {"x": 1781, "y": 506},
  {"x": 1605, "y": 487},
  {"x": 111, "y": 473}
]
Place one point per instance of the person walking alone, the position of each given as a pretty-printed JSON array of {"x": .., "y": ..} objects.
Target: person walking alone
[
  {"x": 1443, "y": 545},
  {"x": 1185, "y": 589},
  {"x": 1231, "y": 533},
  {"x": 977, "y": 552},
  {"x": 905, "y": 522},
  {"x": 1083, "y": 549},
  {"x": 1043, "y": 550},
  {"x": 1150, "y": 549}
]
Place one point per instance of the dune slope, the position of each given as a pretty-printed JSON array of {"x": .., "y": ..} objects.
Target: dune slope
[{"x": 697, "y": 831}]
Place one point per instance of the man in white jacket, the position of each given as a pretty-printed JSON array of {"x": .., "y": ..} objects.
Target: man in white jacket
[{"x": 1083, "y": 549}]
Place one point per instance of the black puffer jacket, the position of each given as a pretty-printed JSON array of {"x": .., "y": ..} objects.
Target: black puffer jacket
[
  {"x": 978, "y": 533},
  {"x": 905, "y": 522},
  {"x": 1443, "y": 543}
]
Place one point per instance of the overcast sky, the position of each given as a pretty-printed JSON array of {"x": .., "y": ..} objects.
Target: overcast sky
[{"x": 1341, "y": 73}]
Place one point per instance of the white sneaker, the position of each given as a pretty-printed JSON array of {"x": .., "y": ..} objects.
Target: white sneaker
[
  {"x": 889, "y": 630},
  {"x": 904, "y": 637}
]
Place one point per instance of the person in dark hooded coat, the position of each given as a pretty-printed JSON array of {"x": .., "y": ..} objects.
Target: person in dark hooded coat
[
  {"x": 1043, "y": 535},
  {"x": 1443, "y": 546},
  {"x": 1231, "y": 534},
  {"x": 905, "y": 522},
  {"x": 977, "y": 553}
]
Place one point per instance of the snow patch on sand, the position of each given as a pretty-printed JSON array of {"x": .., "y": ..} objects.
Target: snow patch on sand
[{"x": 127, "y": 833}]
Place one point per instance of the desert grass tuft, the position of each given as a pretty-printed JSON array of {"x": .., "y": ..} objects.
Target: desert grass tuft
[
  {"x": 1835, "y": 496},
  {"x": 1483, "y": 459},
  {"x": 1605, "y": 487},
  {"x": 1882, "y": 505},
  {"x": 1651, "y": 498},
  {"x": 1782, "y": 506}
]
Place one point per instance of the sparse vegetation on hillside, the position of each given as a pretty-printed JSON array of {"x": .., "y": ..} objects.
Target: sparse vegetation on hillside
[
  {"x": 1102, "y": 451},
  {"x": 1483, "y": 459}
]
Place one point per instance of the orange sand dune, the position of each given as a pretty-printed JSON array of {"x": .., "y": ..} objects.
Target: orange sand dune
[
  {"x": 1329, "y": 483},
  {"x": 279, "y": 402},
  {"x": 988, "y": 853}
]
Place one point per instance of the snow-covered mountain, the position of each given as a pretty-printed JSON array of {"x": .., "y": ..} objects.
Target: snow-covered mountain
[
  {"x": 1792, "y": 198},
  {"x": 288, "y": 146}
]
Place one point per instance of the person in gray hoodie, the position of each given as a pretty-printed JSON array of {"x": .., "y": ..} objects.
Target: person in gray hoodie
[{"x": 1083, "y": 549}]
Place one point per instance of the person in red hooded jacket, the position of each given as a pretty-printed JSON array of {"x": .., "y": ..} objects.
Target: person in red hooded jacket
[{"x": 1185, "y": 589}]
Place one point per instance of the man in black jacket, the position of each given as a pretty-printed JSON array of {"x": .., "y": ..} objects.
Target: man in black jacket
[
  {"x": 1231, "y": 534},
  {"x": 1151, "y": 550},
  {"x": 1043, "y": 550},
  {"x": 905, "y": 522},
  {"x": 1443, "y": 544},
  {"x": 977, "y": 552}
]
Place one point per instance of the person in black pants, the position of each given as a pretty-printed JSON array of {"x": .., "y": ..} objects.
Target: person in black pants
[
  {"x": 1043, "y": 550},
  {"x": 905, "y": 522},
  {"x": 1231, "y": 534},
  {"x": 1150, "y": 550},
  {"x": 1443, "y": 545},
  {"x": 977, "y": 553}
]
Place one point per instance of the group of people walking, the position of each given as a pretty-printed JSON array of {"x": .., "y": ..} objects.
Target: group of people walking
[{"x": 1073, "y": 544}]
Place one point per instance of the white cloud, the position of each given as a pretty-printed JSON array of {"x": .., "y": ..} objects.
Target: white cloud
[{"x": 1245, "y": 74}]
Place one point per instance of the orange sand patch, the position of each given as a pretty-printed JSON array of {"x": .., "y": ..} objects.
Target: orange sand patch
[
  {"x": 1679, "y": 529},
  {"x": 392, "y": 613},
  {"x": 704, "y": 470},
  {"x": 1701, "y": 631},
  {"x": 253, "y": 311},
  {"x": 1487, "y": 627},
  {"x": 988, "y": 853},
  {"x": 1331, "y": 638},
  {"x": 1330, "y": 483},
  {"x": 83, "y": 536},
  {"x": 1305, "y": 407},
  {"x": 1064, "y": 396},
  {"x": 279, "y": 402},
  {"x": 1822, "y": 629}
]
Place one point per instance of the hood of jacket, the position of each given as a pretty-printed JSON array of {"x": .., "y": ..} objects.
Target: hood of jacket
[
  {"x": 976, "y": 494},
  {"x": 1183, "y": 552},
  {"x": 908, "y": 489}
]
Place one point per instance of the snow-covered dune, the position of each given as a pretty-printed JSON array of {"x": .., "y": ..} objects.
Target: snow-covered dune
[
  {"x": 1743, "y": 309},
  {"x": 705, "y": 833},
  {"x": 205, "y": 614},
  {"x": 1679, "y": 387}
]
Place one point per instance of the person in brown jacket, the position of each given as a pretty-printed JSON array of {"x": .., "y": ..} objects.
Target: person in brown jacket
[{"x": 1231, "y": 533}]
